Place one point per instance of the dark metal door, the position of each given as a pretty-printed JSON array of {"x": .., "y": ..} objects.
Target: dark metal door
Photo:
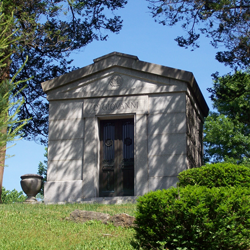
[{"x": 116, "y": 158}]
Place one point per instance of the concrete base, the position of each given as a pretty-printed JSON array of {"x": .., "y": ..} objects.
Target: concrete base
[{"x": 104, "y": 200}]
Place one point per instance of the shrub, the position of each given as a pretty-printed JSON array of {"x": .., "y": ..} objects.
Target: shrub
[
  {"x": 12, "y": 196},
  {"x": 194, "y": 218},
  {"x": 216, "y": 175}
]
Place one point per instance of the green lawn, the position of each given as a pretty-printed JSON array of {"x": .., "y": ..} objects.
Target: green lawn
[{"x": 26, "y": 226}]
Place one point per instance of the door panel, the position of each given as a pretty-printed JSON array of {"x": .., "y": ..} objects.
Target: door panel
[
  {"x": 116, "y": 158},
  {"x": 127, "y": 162},
  {"x": 107, "y": 146}
]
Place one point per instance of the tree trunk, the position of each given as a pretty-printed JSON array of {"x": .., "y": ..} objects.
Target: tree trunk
[
  {"x": 4, "y": 76},
  {"x": 7, "y": 10},
  {"x": 2, "y": 162},
  {"x": 3, "y": 148}
]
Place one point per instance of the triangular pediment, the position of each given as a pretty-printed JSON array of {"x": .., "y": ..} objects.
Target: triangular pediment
[
  {"x": 116, "y": 82},
  {"x": 118, "y": 74}
]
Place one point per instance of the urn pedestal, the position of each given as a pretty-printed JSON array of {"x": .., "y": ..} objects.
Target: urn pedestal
[{"x": 31, "y": 185}]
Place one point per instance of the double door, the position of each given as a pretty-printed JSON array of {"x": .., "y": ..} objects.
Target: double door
[{"x": 116, "y": 158}]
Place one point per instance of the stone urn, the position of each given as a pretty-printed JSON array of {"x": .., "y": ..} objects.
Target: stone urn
[{"x": 31, "y": 185}]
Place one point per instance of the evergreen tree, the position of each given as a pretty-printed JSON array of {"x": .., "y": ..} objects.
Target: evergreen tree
[
  {"x": 10, "y": 104},
  {"x": 46, "y": 32},
  {"x": 50, "y": 31}
]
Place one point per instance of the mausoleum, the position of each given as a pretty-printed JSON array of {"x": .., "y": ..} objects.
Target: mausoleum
[{"x": 121, "y": 127}]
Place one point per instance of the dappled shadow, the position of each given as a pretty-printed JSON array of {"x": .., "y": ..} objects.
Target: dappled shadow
[
  {"x": 125, "y": 65},
  {"x": 90, "y": 160},
  {"x": 119, "y": 84},
  {"x": 161, "y": 138},
  {"x": 67, "y": 191},
  {"x": 64, "y": 175}
]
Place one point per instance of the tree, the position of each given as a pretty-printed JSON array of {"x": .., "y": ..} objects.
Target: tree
[
  {"x": 47, "y": 32},
  {"x": 10, "y": 105},
  {"x": 227, "y": 133},
  {"x": 231, "y": 95},
  {"x": 42, "y": 170},
  {"x": 225, "y": 139},
  {"x": 50, "y": 31},
  {"x": 224, "y": 21}
]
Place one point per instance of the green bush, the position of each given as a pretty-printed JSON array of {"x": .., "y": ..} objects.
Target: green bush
[
  {"x": 194, "y": 218},
  {"x": 216, "y": 175},
  {"x": 12, "y": 196}
]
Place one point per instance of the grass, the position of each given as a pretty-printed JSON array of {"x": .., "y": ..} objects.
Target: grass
[{"x": 26, "y": 226}]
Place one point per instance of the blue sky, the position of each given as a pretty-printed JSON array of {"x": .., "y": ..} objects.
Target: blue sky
[{"x": 150, "y": 42}]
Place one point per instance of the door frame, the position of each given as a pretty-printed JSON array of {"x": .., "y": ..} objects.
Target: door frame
[
  {"x": 117, "y": 171},
  {"x": 111, "y": 117},
  {"x": 91, "y": 145}
]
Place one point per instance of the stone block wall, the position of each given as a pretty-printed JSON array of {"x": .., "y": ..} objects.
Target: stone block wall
[
  {"x": 194, "y": 135},
  {"x": 65, "y": 148},
  {"x": 166, "y": 139}
]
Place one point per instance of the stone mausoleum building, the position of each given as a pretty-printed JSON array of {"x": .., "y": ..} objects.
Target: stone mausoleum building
[{"x": 121, "y": 127}]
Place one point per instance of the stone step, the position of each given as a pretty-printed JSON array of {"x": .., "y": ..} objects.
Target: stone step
[{"x": 111, "y": 200}]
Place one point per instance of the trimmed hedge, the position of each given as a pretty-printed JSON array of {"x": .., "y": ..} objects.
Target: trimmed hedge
[
  {"x": 216, "y": 175},
  {"x": 194, "y": 218}
]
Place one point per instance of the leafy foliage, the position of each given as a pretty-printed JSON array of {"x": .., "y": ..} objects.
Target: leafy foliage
[
  {"x": 49, "y": 31},
  {"x": 225, "y": 138},
  {"x": 227, "y": 133},
  {"x": 216, "y": 175},
  {"x": 224, "y": 21},
  {"x": 231, "y": 95},
  {"x": 194, "y": 217},
  {"x": 42, "y": 170},
  {"x": 12, "y": 196},
  {"x": 244, "y": 161}
]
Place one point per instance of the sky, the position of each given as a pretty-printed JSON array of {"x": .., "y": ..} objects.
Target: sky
[{"x": 150, "y": 42}]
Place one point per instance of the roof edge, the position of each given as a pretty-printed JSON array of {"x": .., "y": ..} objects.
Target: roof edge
[
  {"x": 114, "y": 54},
  {"x": 117, "y": 59}
]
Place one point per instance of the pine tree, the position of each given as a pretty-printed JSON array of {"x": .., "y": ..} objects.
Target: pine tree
[
  {"x": 46, "y": 32},
  {"x": 10, "y": 104}
]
